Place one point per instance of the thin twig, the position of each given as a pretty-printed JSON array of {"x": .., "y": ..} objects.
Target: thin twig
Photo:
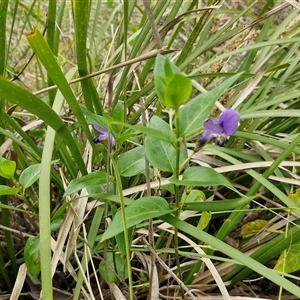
[
  {"x": 147, "y": 174},
  {"x": 153, "y": 25},
  {"x": 140, "y": 58},
  {"x": 181, "y": 284}
]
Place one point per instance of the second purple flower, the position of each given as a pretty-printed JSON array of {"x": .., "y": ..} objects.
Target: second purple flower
[
  {"x": 105, "y": 135},
  {"x": 220, "y": 129}
]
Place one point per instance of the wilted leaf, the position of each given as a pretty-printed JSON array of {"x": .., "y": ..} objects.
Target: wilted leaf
[{"x": 252, "y": 228}]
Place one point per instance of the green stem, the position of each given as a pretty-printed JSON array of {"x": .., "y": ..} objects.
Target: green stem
[
  {"x": 177, "y": 196},
  {"x": 127, "y": 245}
]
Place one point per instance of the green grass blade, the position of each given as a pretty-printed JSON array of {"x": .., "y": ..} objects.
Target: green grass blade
[
  {"x": 243, "y": 259},
  {"x": 42, "y": 50},
  {"x": 81, "y": 14},
  {"x": 3, "y": 46},
  {"x": 24, "y": 99},
  {"x": 51, "y": 19},
  {"x": 45, "y": 203},
  {"x": 267, "y": 252}
]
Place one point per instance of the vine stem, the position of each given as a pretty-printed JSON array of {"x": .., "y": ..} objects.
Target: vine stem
[
  {"x": 126, "y": 236},
  {"x": 177, "y": 196}
]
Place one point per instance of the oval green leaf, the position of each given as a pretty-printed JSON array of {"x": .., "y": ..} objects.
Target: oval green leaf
[
  {"x": 137, "y": 212},
  {"x": 93, "y": 182},
  {"x": 132, "y": 162},
  {"x": 201, "y": 176},
  {"x": 32, "y": 256}
]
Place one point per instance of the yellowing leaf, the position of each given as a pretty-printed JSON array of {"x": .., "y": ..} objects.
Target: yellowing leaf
[
  {"x": 295, "y": 197},
  {"x": 252, "y": 228},
  {"x": 204, "y": 220}
]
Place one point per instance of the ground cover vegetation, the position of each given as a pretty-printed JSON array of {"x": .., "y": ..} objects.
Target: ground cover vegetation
[{"x": 149, "y": 149}]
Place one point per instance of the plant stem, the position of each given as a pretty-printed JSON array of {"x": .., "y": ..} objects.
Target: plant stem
[
  {"x": 177, "y": 196},
  {"x": 127, "y": 245}
]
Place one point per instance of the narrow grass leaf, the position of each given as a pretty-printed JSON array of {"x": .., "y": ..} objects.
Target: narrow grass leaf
[
  {"x": 34, "y": 105},
  {"x": 81, "y": 10},
  {"x": 42, "y": 50},
  {"x": 242, "y": 258},
  {"x": 217, "y": 205}
]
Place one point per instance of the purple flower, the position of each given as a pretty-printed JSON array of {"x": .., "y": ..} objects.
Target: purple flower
[
  {"x": 220, "y": 129},
  {"x": 105, "y": 135}
]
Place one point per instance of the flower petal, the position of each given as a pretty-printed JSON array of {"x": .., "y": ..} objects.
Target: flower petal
[
  {"x": 100, "y": 129},
  {"x": 105, "y": 135},
  {"x": 229, "y": 120},
  {"x": 213, "y": 126},
  {"x": 112, "y": 141},
  {"x": 99, "y": 138}
]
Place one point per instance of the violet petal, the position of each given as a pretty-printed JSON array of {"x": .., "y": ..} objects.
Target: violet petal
[
  {"x": 213, "y": 126},
  {"x": 105, "y": 135},
  {"x": 99, "y": 138},
  {"x": 229, "y": 120},
  {"x": 100, "y": 129}
]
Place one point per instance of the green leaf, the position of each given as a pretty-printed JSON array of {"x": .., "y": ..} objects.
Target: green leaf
[
  {"x": 170, "y": 69},
  {"x": 156, "y": 133},
  {"x": 56, "y": 224},
  {"x": 96, "y": 119},
  {"x": 7, "y": 168},
  {"x": 217, "y": 205},
  {"x": 137, "y": 212},
  {"x": 32, "y": 256},
  {"x": 161, "y": 154},
  {"x": 197, "y": 110},
  {"x": 201, "y": 176},
  {"x": 94, "y": 183},
  {"x": 6, "y": 190},
  {"x": 113, "y": 267},
  {"x": 195, "y": 196},
  {"x": 289, "y": 261},
  {"x": 31, "y": 174},
  {"x": 118, "y": 115},
  {"x": 132, "y": 162},
  {"x": 159, "y": 76},
  {"x": 204, "y": 220},
  {"x": 172, "y": 88},
  {"x": 178, "y": 91}
]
